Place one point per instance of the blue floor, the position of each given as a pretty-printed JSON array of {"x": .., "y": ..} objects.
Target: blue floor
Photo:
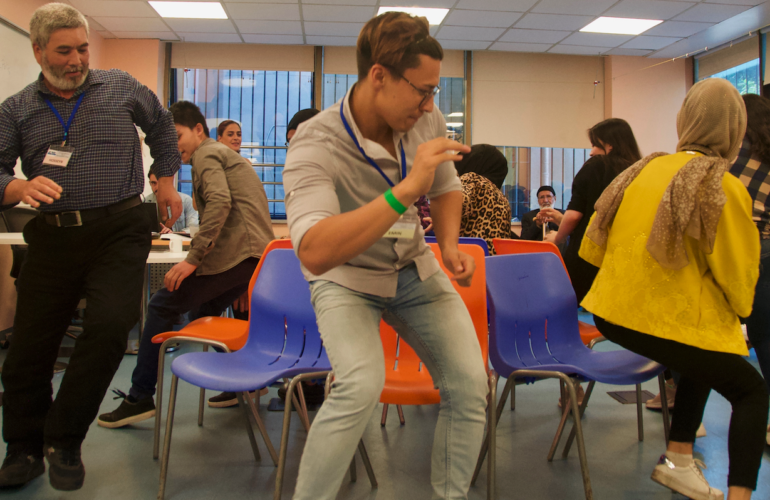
[{"x": 215, "y": 461}]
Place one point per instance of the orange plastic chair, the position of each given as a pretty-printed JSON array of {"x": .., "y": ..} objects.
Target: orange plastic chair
[
  {"x": 227, "y": 334},
  {"x": 588, "y": 333},
  {"x": 407, "y": 381}
]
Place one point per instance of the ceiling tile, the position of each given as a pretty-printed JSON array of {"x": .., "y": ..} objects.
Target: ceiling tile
[
  {"x": 596, "y": 39},
  {"x": 263, "y": 11},
  {"x": 483, "y": 18},
  {"x": 270, "y": 27},
  {"x": 344, "y": 2},
  {"x": 132, "y": 24},
  {"x": 534, "y": 36},
  {"x": 650, "y": 42},
  {"x": 711, "y": 13},
  {"x": 202, "y": 25},
  {"x": 578, "y": 50},
  {"x": 160, "y": 35},
  {"x": 437, "y": 4},
  {"x": 106, "y": 34},
  {"x": 274, "y": 39},
  {"x": 648, "y": 9},
  {"x": 521, "y": 47},
  {"x": 577, "y": 7},
  {"x": 334, "y": 13},
  {"x": 257, "y": 1},
  {"x": 463, "y": 33},
  {"x": 210, "y": 37},
  {"x": 335, "y": 41},
  {"x": 434, "y": 30},
  {"x": 93, "y": 25},
  {"x": 677, "y": 28},
  {"x": 463, "y": 45},
  {"x": 113, "y": 8},
  {"x": 501, "y": 5},
  {"x": 628, "y": 52},
  {"x": 737, "y": 2},
  {"x": 333, "y": 29},
  {"x": 554, "y": 22}
]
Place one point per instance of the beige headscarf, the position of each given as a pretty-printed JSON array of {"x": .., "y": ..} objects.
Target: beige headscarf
[{"x": 712, "y": 121}]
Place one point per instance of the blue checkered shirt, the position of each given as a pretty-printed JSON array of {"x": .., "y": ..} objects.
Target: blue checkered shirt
[
  {"x": 106, "y": 166},
  {"x": 755, "y": 175}
]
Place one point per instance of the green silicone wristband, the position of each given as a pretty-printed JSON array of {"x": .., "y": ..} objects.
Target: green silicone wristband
[{"x": 394, "y": 203}]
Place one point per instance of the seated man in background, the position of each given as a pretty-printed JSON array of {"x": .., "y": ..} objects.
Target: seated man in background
[
  {"x": 532, "y": 221},
  {"x": 235, "y": 229},
  {"x": 300, "y": 116},
  {"x": 189, "y": 214}
]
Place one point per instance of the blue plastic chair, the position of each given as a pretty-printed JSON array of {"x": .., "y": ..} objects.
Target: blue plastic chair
[
  {"x": 534, "y": 334},
  {"x": 283, "y": 342},
  {"x": 463, "y": 240}
]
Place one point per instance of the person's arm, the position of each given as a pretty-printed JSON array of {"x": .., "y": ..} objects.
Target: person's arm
[
  {"x": 337, "y": 239},
  {"x": 216, "y": 192},
  {"x": 157, "y": 123},
  {"x": 568, "y": 224},
  {"x": 447, "y": 213},
  {"x": 735, "y": 259}
]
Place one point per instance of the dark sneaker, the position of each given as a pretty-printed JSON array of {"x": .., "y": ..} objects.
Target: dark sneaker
[
  {"x": 314, "y": 393},
  {"x": 228, "y": 399},
  {"x": 130, "y": 411},
  {"x": 65, "y": 468},
  {"x": 19, "y": 468}
]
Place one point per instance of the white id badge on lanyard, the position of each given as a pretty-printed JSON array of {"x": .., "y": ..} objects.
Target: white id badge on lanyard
[
  {"x": 404, "y": 227},
  {"x": 58, "y": 156}
]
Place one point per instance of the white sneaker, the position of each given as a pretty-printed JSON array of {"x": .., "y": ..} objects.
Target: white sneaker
[
  {"x": 701, "y": 432},
  {"x": 688, "y": 481}
]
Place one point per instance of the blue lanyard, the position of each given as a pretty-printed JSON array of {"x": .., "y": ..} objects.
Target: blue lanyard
[
  {"x": 372, "y": 162},
  {"x": 72, "y": 115}
]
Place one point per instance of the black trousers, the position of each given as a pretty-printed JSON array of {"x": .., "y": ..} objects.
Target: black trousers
[
  {"x": 729, "y": 374},
  {"x": 103, "y": 261}
]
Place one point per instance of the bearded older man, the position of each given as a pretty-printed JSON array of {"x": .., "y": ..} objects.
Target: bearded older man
[{"x": 74, "y": 131}]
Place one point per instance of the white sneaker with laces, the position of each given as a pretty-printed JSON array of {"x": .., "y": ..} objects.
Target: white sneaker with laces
[{"x": 688, "y": 481}]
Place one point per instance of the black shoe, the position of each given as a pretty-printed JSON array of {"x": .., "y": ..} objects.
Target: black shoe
[
  {"x": 314, "y": 393},
  {"x": 19, "y": 468},
  {"x": 229, "y": 399},
  {"x": 130, "y": 411},
  {"x": 65, "y": 468}
]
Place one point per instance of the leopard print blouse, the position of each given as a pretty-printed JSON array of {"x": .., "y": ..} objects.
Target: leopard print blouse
[{"x": 486, "y": 211}]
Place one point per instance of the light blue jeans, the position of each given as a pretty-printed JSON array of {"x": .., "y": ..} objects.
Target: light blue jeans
[{"x": 431, "y": 317}]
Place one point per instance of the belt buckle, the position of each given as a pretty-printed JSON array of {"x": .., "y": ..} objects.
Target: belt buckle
[{"x": 64, "y": 219}]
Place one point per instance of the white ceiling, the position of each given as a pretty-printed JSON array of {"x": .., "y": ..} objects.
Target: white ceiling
[{"x": 508, "y": 25}]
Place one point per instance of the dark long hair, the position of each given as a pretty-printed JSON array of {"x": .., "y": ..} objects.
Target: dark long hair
[
  {"x": 758, "y": 126},
  {"x": 618, "y": 134}
]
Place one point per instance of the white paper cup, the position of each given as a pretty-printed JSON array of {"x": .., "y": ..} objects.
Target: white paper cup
[
  {"x": 175, "y": 245},
  {"x": 193, "y": 230}
]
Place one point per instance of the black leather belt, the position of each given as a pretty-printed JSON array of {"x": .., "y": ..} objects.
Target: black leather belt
[{"x": 78, "y": 217}]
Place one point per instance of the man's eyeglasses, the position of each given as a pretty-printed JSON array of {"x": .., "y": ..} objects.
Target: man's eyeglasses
[{"x": 426, "y": 94}]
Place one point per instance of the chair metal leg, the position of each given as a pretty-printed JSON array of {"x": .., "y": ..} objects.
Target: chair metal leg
[
  {"x": 589, "y": 391},
  {"x": 202, "y": 399},
  {"x": 578, "y": 426},
  {"x": 367, "y": 463},
  {"x": 485, "y": 444},
  {"x": 303, "y": 407},
  {"x": 384, "y": 414},
  {"x": 664, "y": 407},
  {"x": 492, "y": 425},
  {"x": 400, "y": 414},
  {"x": 252, "y": 440},
  {"x": 639, "y": 416},
  {"x": 513, "y": 397},
  {"x": 167, "y": 439},
  {"x": 261, "y": 426},
  {"x": 559, "y": 431},
  {"x": 353, "y": 474}
]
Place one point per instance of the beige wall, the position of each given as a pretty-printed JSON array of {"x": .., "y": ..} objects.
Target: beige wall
[
  {"x": 143, "y": 59},
  {"x": 535, "y": 100},
  {"x": 647, "y": 93}
]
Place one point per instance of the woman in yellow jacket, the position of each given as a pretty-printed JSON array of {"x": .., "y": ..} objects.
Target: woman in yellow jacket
[{"x": 678, "y": 254}]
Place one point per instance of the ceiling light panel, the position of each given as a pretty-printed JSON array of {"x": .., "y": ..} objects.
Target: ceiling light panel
[
  {"x": 435, "y": 16},
  {"x": 620, "y": 26},
  {"x": 190, "y": 10}
]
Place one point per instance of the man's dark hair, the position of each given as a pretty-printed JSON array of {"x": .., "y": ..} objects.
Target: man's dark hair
[
  {"x": 152, "y": 172},
  {"x": 395, "y": 40},
  {"x": 758, "y": 126},
  {"x": 188, "y": 115},
  {"x": 546, "y": 188},
  {"x": 301, "y": 116}
]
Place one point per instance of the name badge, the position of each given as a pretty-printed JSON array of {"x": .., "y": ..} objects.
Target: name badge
[
  {"x": 58, "y": 156},
  {"x": 404, "y": 228}
]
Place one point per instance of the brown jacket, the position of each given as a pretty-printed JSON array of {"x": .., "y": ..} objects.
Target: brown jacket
[{"x": 232, "y": 206}]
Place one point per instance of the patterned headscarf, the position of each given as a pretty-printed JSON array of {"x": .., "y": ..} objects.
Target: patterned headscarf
[{"x": 712, "y": 121}]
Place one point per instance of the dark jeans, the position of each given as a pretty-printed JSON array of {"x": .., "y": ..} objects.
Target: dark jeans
[
  {"x": 206, "y": 295},
  {"x": 103, "y": 261},
  {"x": 758, "y": 324},
  {"x": 729, "y": 374}
]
